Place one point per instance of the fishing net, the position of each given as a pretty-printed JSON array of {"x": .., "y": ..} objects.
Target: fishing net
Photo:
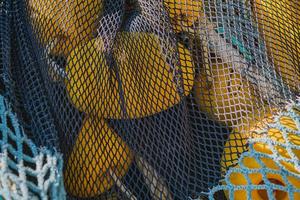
[
  {"x": 151, "y": 99},
  {"x": 270, "y": 168},
  {"x": 27, "y": 171}
]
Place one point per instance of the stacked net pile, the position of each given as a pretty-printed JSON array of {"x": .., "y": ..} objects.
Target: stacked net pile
[{"x": 150, "y": 99}]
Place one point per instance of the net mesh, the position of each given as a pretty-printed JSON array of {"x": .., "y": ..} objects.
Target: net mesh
[
  {"x": 270, "y": 168},
  {"x": 27, "y": 172},
  {"x": 151, "y": 99}
]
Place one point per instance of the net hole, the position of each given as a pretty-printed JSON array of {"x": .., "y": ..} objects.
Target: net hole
[{"x": 278, "y": 194}]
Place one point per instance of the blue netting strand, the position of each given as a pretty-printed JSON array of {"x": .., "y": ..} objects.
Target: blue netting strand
[
  {"x": 283, "y": 161},
  {"x": 5, "y": 47},
  {"x": 30, "y": 82},
  {"x": 26, "y": 171}
]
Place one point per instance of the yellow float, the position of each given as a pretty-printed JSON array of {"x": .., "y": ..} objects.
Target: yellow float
[
  {"x": 278, "y": 22},
  {"x": 184, "y": 13},
  {"x": 140, "y": 84},
  {"x": 224, "y": 94},
  {"x": 236, "y": 145},
  {"x": 64, "y": 24},
  {"x": 98, "y": 155}
]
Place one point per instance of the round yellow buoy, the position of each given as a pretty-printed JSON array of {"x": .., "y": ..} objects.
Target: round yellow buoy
[
  {"x": 97, "y": 153},
  {"x": 63, "y": 24},
  {"x": 184, "y": 13},
  {"x": 279, "y": 25},
  {"x": 236, "y": 145},
  {"x": 225, "y": 95},
  {"x": 141, "y": 83}
]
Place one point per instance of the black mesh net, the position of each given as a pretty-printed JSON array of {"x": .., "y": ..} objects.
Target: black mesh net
[{"x": 147, "y": 99}]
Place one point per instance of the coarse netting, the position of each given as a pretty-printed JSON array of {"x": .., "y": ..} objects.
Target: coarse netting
[
  {"x": 26, "y": 171},
  {"x": 155, "y": 99},
  {"x": 270, "y": 167}
]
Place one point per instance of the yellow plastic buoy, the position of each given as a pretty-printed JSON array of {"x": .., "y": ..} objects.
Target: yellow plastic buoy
[
  {"x": 279, "y": 24},
  {"x": 225, "y": 95},
  {"x": 98, "y": 155},
  {"x": 91, "y": 84},
  {"x": 147, "y": 80},
  {"x": 237, "y": 178},
  {"x": 140, "y": 84},
  {"x": 62, "y": 25},
  {"x": 184, "y": 13},
  {"x": 236, "y": 145}
]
